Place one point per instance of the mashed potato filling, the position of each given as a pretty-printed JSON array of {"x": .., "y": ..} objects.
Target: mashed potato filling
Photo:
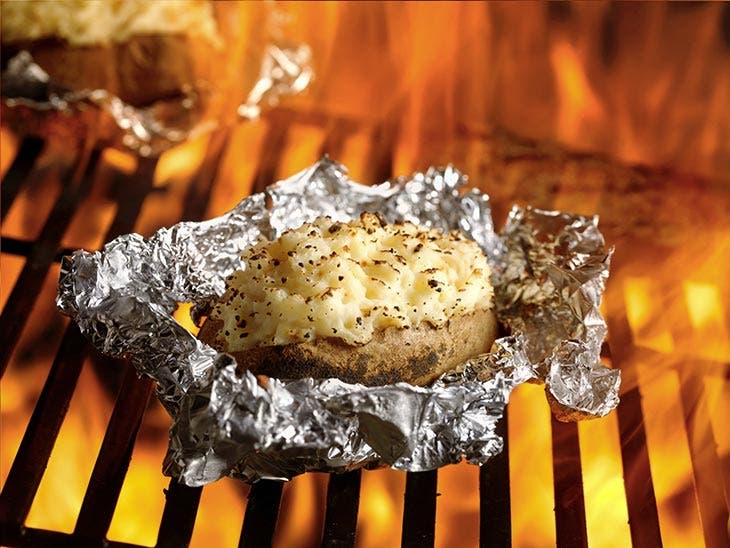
[
  {"x": 88, "y": 22},
  {"x": 347, "y": 280}
]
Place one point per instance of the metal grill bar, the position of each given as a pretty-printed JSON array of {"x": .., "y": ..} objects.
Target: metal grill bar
[
  {"x": 24, "y": 248},
  {"x": 270, "y": 157},
  {"x": 343, "y": 501},
  {"x": 711, "y": 497},
  {"x": 710, "y": 480},
  {"x": 262, "y": 511},
  {"x": 111, "y": 465},
  {"x": 137, "y": 187},
  {"x": 570, "y": 513},
  {"x": 380, "y": 163},
  {"x": 419, "y": 512},
  {"x": 40, "y": 436},
  {"x": 18, "y": 171},
  {"x": 20, "y": 302},
  {"x": 640, "y": 497},
  {"x": 337, "y": 134},
  {"x": 178, "y": 518},
  {"x": 197, "y": 196},
  {"x": 42, "y": 432},
  {"x": 343, "y": 490},
  {"x": 108, "y": 476},
  {"x": 495, "y": 518}
]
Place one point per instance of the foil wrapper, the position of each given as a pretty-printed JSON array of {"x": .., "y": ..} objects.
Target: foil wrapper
[
  {"x": 549, "y": 273},
  {"x": 284, "y": 71}
]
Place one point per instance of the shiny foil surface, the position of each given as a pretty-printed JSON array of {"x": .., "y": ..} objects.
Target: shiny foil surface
[{"x": 549, "y": 270}]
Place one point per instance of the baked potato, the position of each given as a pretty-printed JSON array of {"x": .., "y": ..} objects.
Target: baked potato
[{"x": 364, "y": 301}]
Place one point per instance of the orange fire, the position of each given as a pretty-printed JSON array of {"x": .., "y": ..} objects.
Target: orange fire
[{"x": 425, "y": 84}]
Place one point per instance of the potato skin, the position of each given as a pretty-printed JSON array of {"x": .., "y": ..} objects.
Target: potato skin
[
  {"x": 417, "y": 355},
  {"x": 145, "y": 69}
]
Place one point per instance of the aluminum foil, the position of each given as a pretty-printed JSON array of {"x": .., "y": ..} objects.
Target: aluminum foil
[
  {"x": 550, "y": 281},
  {"x": 549, "y": 272},
  {"x": 284, "y": 71}
]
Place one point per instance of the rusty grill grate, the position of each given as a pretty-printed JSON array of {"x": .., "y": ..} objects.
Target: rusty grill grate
[{"x": 343, "y": 494}]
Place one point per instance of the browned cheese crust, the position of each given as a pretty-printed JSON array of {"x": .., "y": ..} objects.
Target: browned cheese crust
[{"x": 417, "y": 355}]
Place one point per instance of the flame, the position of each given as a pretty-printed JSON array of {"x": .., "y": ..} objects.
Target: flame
[
  {"x": 9, "y": 271},
  {"x": 183, "y": 317},
  {"x": 607, "y": 518},
  {"x": 182, "y": 161},
  {"x": 121, "y": 161},
  {"x": 649, "y": 331},
  {"x": 29, "y": 365},
  {"x": 301, "y": 516},
  {"x": 302, "y": 145},
  {"x": 142, "y": 491},
  {"x": 381, "y": 508},
  {"x": 680, "y": 314},
  {"x": 579, "y": 105},
  {"x": 222, "y": 502},
  {"x": 354, "y": 156},
  {"x": 457, "y": 506},
  {"x": 531, "y": 468},
  {"x": 706, "y": 314},
  {"x": 9, "y": 147},
  {"x": 35, "y": 200}
]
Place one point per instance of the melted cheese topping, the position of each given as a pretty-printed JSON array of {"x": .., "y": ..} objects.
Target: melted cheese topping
[
  {"x": 90, "y": 22},
  {"x": 346, "y": 280}
]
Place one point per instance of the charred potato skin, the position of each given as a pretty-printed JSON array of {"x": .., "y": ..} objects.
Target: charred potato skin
[{"x": 417, "y": 355}]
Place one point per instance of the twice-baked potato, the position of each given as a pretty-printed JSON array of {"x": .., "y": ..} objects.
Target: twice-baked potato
[
  {"x": 363, "y": 301},
  {"x": 138, "y": 50}
]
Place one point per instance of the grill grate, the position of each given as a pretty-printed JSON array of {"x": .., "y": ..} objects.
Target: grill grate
[{"x": 343, "y": 493}]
